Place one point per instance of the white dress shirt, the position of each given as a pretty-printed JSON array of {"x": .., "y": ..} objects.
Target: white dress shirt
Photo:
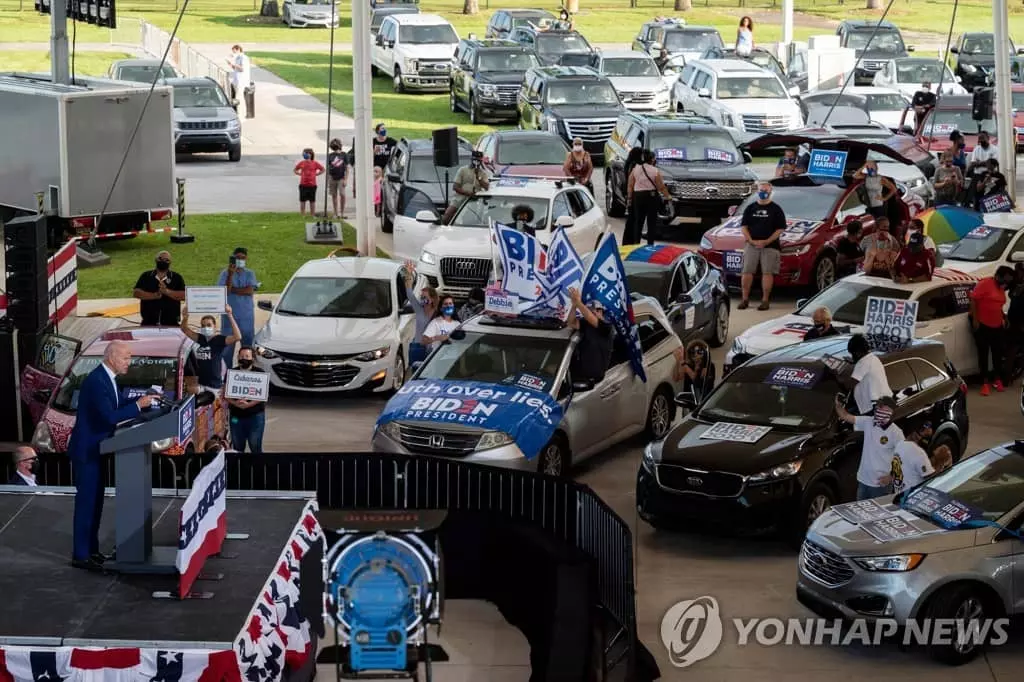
[
  {"x": 29, "y": 479},
  {"x": 113, "y": 381}
]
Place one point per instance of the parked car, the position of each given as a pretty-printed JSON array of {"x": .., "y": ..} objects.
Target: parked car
[
  {"x": 985, "y": 248},
  {"x": 161, "y": 357},
  {"x": 758, "y": 56},
  {"x": 487, "y": 77},
  {"x": 342, "y": 324},
  {"x": 973, "y": 59},
  {"x": 378, "y": 15},
  {"x": 636, "y": 78},
  {"x": 796, "y": 70},
  {"x": 571, "y": 102},
  {"x": 906, "y": 74},
  {"x": 140, "y": 70},
  {"x": 677, "y": 38},
  {"x": 763, "y": 453},
  {"x": 874, "y": 43},
  {"x": 881, "y": 104},
  {"x": 204, "y": 120},
  {"x": 415, "y": 51},
  {"x": 306, "y": 13},
  {"x": 961, "y": 567},
  {"x": 596, "y": 415},
  {"x": 411, "y": 169},
  {"x": 942, "y": 315},
  {"x": 703, "y": 169},
  {"x": 524, "y": 153},
  {"x": 737, "y": 94},
  {"x": 555, "y": 46},
  {"x": 502, "y": 22},
  {"x": 951, "y": 113}
]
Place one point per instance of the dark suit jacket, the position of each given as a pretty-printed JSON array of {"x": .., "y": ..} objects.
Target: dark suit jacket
[
  {"x": 99, "y": 410},
  {"x": 17, "y": 480}
]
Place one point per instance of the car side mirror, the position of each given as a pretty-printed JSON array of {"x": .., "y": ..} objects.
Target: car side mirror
[
  {"x": 656, "y": 46},
  {"x": 390, "y": 44},
  {"x": 794, "y": 91},
  {"x": 564, "y": 221},
  {"x": 801, "y": 303},
  {"x": 1017, "y": 257},
  {"x": 911, "y": 48},
  {"x": 704, "y": 92},
  {"x": 583, "y": 386},
  {"x": 958, "y": 79},
  {"x": 954, "y": 50},
  {"x": 684, "y": 298},
  {"x": 42, "y": 395},
  {"x": 380, "y": 40},
  {"x": 747, "y": 158},
  {"x": 394, "y": 177},
  {"x": 1020, "y": 50},
  {"x": 426, "y": 216},
  {"x": 907, "y": 130},
  {"x": 264, "y": 304},
  {"x": 686, "y": 399}
]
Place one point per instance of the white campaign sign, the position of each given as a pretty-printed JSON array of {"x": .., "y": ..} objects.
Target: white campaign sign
[
  {"x": 242, "y": 385},
  {"x": 501, "y": 303},
  {"x": 889, "y": 323},
  {"x": 206, "y": 300},
  {"x": 736, "y": 433}
]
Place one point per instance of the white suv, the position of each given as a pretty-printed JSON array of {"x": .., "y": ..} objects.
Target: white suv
[
  {"x": 738, "y": 94},
  {"x": 457, "y": 258},
  {"x": 416, "y": 50},
  {"x": 636, "y": 78}
]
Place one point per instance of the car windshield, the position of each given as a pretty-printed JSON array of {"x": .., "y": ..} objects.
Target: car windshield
[
  {"x": 312, "y": 2},
  {"x": 481, "y": 211},
  {"x": 692, "y": 145},
  {"x": 422, "y": 168},
  {"x": 144, "y": 373},
  {"x": 559, "y": 43},
  {"x": 506, "y": 60},
  {"x": 920, "y": 70},
  {"x": 336, "y": 297},
  {"x": 765, "y": 61},
  {"x": 531, "y": 151},
  {"x": 944, "y": 121},
  {"x": 979, "y": 45},
  {"x": 991, "y": 482},
  {"x": 883, "y": 41},
  {"x": 144, "y": 73},
  {"x": 625, "y": 66},
  {"x": 646, "y": 278},
  {"x": 749, "y": 396},
  {"x": 427, "y": 35},
  {"x": 761, "y": 87},
  {"x": 847, "y": 300},
  {"x": 886, "y": 102},
  {"x": 691, "y": 41},
  {"x": 532, "y": 19},
  {"x": 801, "y": 202},
  {"x": 982, "y": 245},
  {"x": 494, "y": 358},
  {"x": 586, "y": 92},
  {"x": 199, "y": 96},
  {"x": 378, "y": 17}
]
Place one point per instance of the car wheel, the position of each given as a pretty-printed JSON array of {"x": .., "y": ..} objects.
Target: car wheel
[
  {"x": 824, "y": 272},
  {"x": 453, "y": 103},
  {"x": 474, "y": 117},
  {"x": 950, "y": 441},
  {"x": 612, "y": 206},
  {"x": 235, "y": 154},
  {"x": 721, "y": 329},
  {"x": 399, "y": 373},
  {"x": 816, "y": 501},
  {"x": 660, "y": 414},
  {"x": 396, "y": 82},
  {"x": 554, "y": 458},
  {"x": 969, "y": 607}
]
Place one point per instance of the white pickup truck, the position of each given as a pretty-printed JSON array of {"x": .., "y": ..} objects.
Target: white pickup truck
[{"x": 416, "y": 51}]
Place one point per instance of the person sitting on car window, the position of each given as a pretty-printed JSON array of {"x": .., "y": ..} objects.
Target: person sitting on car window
[
  {"x": 870, "y": 381},
  {"x": 474, "y": 305},
  {"x": 662, "y": 60},
  {"x": 594, "y": 350},
  {"x": 522, "y": 219},
  {"x": 822, "y": 318},
  {"x": 696, "y": 370},
  {"x": 993, "y": 182},
  {"x": 915, "y": 263},
  {"x": 880, "y": 249},
  {"x": 948, "y": 180},
  {"x": 469, "y": 180},
  {"x": 917, "y": 225},
  {"x": 923, "y": 102},
  {"x": 849, "y": 255},
  {"x": 879, "y": 189},
  {"x": 789, "y": 164}
]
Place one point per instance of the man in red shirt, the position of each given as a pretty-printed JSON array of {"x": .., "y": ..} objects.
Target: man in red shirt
[
  {"x": 987, "y": 301},
  {"x": 915, "y": 263},
  {"x": 308, "y": 170}
]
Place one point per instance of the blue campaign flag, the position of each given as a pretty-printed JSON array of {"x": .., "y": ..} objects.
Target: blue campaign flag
[
  {"x": 565, "y": 271},
  {"x": 528, "y": 416},
  {"x": 605, "y": 281},
  {"x": 827, "y": 163}
]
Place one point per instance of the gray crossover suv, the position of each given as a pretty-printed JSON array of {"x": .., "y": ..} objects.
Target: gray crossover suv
[
  {"x": 947, "y": 551},
  {"x": 204, "y": 120}
]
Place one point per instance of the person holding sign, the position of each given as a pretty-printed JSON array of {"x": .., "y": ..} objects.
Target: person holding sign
[
  {"x": 241, "y": 284},
  {"x": 594, "y": 350},
  {"x": 248, "y": 418},
  {"x": 209, "y": 350},
  {"x": 881, "y": 436},
  {"x": 160, "y": 293},
  {"x": 763, "y": 223},
  {"x": 987, "y": 301}
]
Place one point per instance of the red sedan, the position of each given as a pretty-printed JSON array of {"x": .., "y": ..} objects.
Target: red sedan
[
  {"x": 953, "y": 112},
  {"x": 530, "y": 153}
]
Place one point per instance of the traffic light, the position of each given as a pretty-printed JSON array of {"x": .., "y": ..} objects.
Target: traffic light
[{"x": 983, "y": 104}]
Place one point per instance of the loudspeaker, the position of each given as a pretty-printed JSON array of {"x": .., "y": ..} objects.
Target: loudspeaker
[
  {"x": 983, "y": 104},
  {"x": 446, "y": 147},
  {"x": 27, "y": 291}
]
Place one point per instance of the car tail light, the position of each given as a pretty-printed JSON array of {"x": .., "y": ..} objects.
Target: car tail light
[
  {"x": 83, "y": 223},
  {"x": 963, "y": 388},
  {"x": 163, "y": 214}
]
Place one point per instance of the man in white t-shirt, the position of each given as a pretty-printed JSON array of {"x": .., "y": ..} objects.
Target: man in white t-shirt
[
  {"x": 241, "y": 71},
  {"x": 869, "y": 373},
  {"x": 910, "y": 463},
  {"x": 881, "y": 436}
]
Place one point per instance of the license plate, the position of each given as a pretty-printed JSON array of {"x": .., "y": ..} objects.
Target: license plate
[{"x": 733, "y": 261}]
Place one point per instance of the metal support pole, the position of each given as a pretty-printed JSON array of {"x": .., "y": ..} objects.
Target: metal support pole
[
  {"x": 787, "y": 23},
  {"x": 366, "y": 230},
  {"x": 60, "y": 71},
  {"x": 181, "y": 237},
  {"x": 1004, "y": 99}
]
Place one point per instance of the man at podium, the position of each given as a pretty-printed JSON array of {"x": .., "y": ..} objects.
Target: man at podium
[{"x": 100, "y": 409}]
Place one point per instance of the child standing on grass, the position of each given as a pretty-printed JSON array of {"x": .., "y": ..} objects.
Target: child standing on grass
[
  {"x": 308, "y": 170},
  {"x": 378, "y": 177}
]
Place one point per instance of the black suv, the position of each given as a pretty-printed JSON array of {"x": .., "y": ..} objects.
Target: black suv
[
  {"x": 411, "y": 171},
  {"x": 766, "y": 450},
  {"x": 886, "y": 44},
  {"x": 703, "y": 169},
  {"x": 571, "y": 102},
  {"x": 502, "y": 22},
  {"x": 973, "y": 58},
  {"x": 556, "y": 46},
  {"x": 487, "y": 76}
]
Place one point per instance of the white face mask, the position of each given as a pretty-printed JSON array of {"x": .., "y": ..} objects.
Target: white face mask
[
  {"x": 209, "y": 332},
  {"x": 577, "y": 147},
  {"x": 240, "y": 263}
]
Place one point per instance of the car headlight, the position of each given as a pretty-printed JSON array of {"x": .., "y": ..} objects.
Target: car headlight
[
  {"x": 234, "y": 124},
  {"x": 371, "y": 355},
  {"x": 705, "y": 243},
  {"x": 410, "y": 65},
  {"x": 728, "y": 121},
  {"x": 796, "y": 250},
  {"x": 652, "y": 455},
  {"x": 161, "y": 445},
  {"x": 969, "y": 68},
  {"x": 493, "y": 439},
  {"x": 391, "y": 430},
  {"x": 42, "y": 439},
  {"x": 265, "y": 352},
  {"x": 738, "y": 346},
  {"x": 489, "y": 91},
  {"x": 897, "y": 563},
  {"x": 428, "y": 258},
  {"x": 775, "y": 473},
  {"x": 552, "y": 125}
]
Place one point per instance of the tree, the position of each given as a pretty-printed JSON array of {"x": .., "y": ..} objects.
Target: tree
[
  {"x": 471, "y": 7},
  {"x": 683, "y": 5},
  {"x": 269, "y": 8}
]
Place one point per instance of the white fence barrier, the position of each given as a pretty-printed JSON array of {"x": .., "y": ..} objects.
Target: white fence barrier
[{"x": 154, "y": 40}]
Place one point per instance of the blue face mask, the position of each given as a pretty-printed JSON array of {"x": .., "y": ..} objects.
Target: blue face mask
[
  {"x": 306, "y": 157},
  {"x": 448, "y": 310},
  {"x": 763, "y": 196},
  {"x": 871, "y": 171},
  {"x": 382, "y": 132}
]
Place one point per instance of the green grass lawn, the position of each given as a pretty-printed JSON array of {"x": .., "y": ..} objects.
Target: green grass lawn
[
  {"x": 276, "y": 243},
  {"x": 86, "y": 63}
]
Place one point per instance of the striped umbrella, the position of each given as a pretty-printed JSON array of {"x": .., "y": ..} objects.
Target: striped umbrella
[{"x": 946, "y": 224}]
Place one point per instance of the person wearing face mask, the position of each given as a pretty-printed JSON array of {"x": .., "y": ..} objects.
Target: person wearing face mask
[
  {"x": 424, "y": 305},
  {"x": 522, "y": 219},
  {"x": 208, "y": 352},
  {"x": 822, "y": 319},
  {"x": 469, "y": 180},
  {"x": 645, "y": 185},
  {"x": 241, "y": 284},
  {"x": 923, "y": 102},
  {"x": 948, "y": 181},
  {"x": 881, "y": 437},
  {"x": 160, "y": 292},
  {"x": 308, "y": 170},
  {"x": 910, "y": 463},
  {"x": 382, "y": 146},
  {"x": 442, "y": 325},
  {"x": 579, "y": 165},
  {"x": 880, "y": 250},
  {"x": 248, "y": 417},
  {"x": 593, "y": 351},
  {"x": 697, "y": 371},
  {"x": 26, "y": 464},
  {"x": 915, "y": 263},
  {"x": 986, "y": 313},
  {"x": 917, "y": 226},
  {"x": 993, "y": 184},
  {"x": 977, "y": 166},
  {"x": 762, "y": 224},
  {"x": 474, "y": 305},
  {"x": 870, "y": 382},
  {"x": 879, "y": 189},
  {"x": 958, "y": 151}
]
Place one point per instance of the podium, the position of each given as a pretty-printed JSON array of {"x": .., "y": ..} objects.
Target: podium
[{"x": 131, "y": 446}]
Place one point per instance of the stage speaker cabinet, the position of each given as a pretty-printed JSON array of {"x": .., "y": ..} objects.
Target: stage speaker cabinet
[
  {"x": 446, "y": 147},
  {"x": 983, "y": 104},
  {"x": 108, "y": 13},
  {"x": 25, "y": 257}
]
